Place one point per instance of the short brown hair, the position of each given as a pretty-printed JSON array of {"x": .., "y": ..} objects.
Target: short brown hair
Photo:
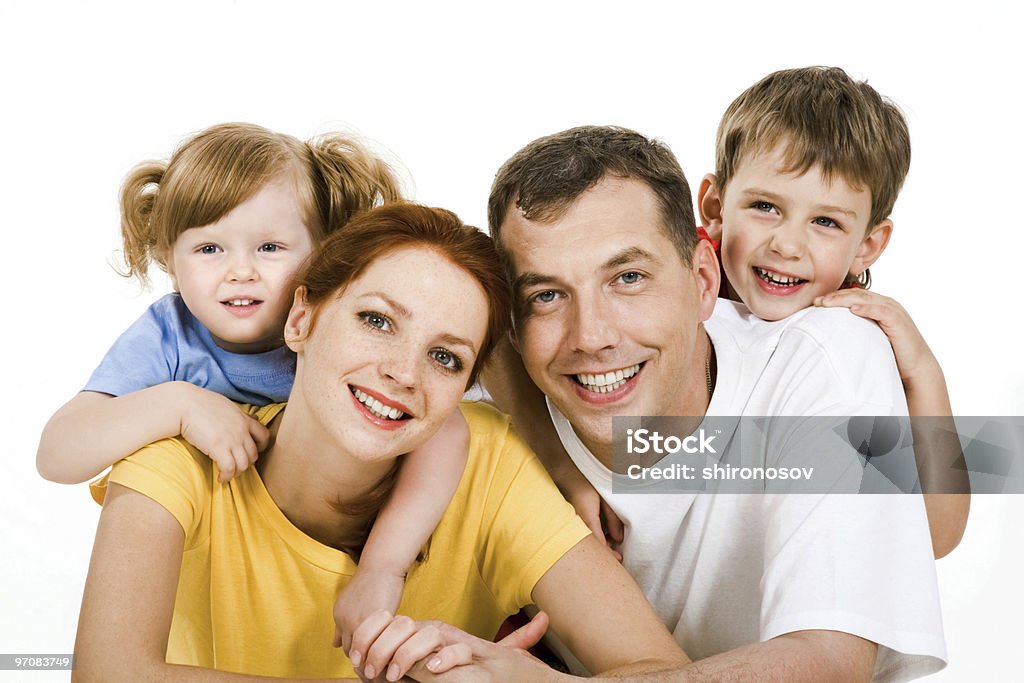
[
  {"x": 347, "y": 253},
  {"x": 215, "y": 170},
  {"x": 822, "y": 117},
  {"x": 544, "y": 178}
]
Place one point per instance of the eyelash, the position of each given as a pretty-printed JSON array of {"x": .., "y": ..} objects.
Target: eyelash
[
  {"x": 274, "y": 248},
  {"x": 457, "y": 364}
]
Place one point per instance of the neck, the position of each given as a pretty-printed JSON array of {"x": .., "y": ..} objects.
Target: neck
[{"x": 317, "y": 485}]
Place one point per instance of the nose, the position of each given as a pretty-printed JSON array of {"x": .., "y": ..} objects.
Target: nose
[
  {"x": 241, "y": 268},
  {"x": 593, "y": 327},
  {"x": 788, "y": 239},
  {"x": 400, "y": 366}
]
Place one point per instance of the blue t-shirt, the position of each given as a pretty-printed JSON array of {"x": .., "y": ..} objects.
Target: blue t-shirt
[{"x": 167, "y": 343}]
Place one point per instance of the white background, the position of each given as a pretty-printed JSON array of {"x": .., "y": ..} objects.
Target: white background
[{"x": 86, "y": 91}]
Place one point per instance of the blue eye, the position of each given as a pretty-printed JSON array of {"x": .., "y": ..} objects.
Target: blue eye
[
  {"x": 446, "y": 359},
  {"x": 208, "y": 249},
  {"x": 631, "y": 278},
  {"x": 377, "y": 321},
  {"x": 269, "y": 247},
  {"x": 545, "y": 297},
  {"x": 825, "y": 222}
]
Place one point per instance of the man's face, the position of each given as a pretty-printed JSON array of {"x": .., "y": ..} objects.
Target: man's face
[{"x": 608, "y": 315}]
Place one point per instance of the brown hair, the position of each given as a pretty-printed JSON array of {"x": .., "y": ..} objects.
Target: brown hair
[
  {"x": 214, "y": 171},
  {"x": 822, "y": 117},
  {"x": 544, "y": 178},
  {"x": 347, "y": 253}
]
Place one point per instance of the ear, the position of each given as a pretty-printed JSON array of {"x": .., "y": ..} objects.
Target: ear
[
  {"x": 709, "y": 206},
  {"x": 872, "y": 247},
  {"x": 707, "y": 274},
  {"x": 297, "y": 325},
  {"x": 169, "y": 267}
]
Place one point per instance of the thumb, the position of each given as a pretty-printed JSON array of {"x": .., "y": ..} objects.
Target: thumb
[
  {"x": 260, "y": 434},
  {"x": 529, "y": 635}
]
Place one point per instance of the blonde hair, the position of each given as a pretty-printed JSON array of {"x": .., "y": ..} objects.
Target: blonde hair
[
  {"x": 822, "y": 117},
  {"x": 214, "y": 171}
]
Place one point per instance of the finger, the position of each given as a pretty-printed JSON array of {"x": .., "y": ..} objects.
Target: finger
[
  {"x": 449, "y": 657},
  {"x": 226, "y": 463},
  {"x": 528, "y": 635},
  {"x": 593, "y": 521},
  {"x": 379, "y": 655},
  {"x": 251, "y": 450},
  {"x": 366, "y": 633},
  {"x": 241, "y": 458},
  {"x": 612, "y": 522},
  {"x": 418, "y": 646},
  {"x": 260, "y": 434}
]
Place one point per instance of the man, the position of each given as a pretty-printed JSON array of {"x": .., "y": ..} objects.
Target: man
[{"x": 613, "y": 291}]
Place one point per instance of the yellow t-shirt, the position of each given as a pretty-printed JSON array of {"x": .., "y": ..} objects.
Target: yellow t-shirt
[{"x": 256, "y": 594}]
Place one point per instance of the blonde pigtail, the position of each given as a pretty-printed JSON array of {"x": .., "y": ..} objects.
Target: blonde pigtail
[
  {"x": 350, "y": 179},
  {"x": 138, "y": 197}
]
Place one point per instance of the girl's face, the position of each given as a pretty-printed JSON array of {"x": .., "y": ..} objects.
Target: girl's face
[
  {"x": 387, "y": 360},
  {"x": 235, "y": 275}
]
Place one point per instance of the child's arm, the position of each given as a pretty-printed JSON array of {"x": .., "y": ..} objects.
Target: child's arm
[
  {"x": 515, "y": 393},
  {"x": 93, "y": 431},
  {"x": 946, "y": 488},
  {"x": 426, "y": 481}
]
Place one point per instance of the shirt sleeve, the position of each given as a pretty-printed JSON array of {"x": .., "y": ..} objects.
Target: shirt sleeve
[
  {"x": 140, "y": 358},
  {"x": 170, "y": 473},
  {"x": 527, "y": 524}
]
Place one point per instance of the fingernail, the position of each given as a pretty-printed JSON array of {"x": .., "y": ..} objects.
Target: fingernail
[
  {"x": 355, "y": 657},
  {"x": 434, "y": 664},
  {"x": 369, "y": 671},
  {"x": 393, "y": 672}
]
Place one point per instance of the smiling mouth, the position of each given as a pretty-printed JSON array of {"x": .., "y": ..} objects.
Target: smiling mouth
[
  {"x": 237, "y": 303},
  {"x": 377, "y": 408},
  {"x": 777, "y": 279},
  {"x": 602, "y": 383}
]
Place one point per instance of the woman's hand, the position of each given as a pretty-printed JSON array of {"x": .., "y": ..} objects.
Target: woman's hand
[{"x": 215, "y": 425}]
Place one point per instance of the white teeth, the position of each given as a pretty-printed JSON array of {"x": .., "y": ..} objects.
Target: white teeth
[
  {"x": 376, "y": 407},
  {"x": 241, "y": 302},
  {"x": 775, "y": 278},
  {"x": 609, "y": 381}
]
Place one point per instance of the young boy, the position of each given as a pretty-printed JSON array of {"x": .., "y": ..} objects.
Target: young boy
[{"x": 808, "y": 166}]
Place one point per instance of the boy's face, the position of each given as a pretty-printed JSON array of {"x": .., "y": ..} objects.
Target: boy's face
[{"x": 788, "y": 238}]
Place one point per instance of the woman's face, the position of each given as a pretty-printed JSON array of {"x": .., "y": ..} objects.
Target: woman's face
[{"x": 387, "y": 360}]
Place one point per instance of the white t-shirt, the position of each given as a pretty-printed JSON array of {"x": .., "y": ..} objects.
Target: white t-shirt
[{"x": 728, "y": 570}]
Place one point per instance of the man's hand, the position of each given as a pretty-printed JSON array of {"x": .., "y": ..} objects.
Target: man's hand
[{"x": 215, "y": 425}]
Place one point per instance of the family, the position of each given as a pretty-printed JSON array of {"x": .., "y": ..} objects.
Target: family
[{"x": 295, "y": 469}]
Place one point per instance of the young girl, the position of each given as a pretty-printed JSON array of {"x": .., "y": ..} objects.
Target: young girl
[{"x": 231, "y": 217}]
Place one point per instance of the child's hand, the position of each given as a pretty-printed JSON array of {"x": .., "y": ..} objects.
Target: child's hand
[
  {"x": 913, "y": 357},
  {"x": 215, "y": 425},
  {"x": 368, "y": 593},
  {"x": 595, "y": 512}
]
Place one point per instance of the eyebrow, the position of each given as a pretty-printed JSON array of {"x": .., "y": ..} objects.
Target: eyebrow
[
  {"x": 824, "y": 208},
  {"x": 404, "y": 312}
]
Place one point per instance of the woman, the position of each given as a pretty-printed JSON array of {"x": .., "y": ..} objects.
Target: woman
[{"x": 403, "y": 307}]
